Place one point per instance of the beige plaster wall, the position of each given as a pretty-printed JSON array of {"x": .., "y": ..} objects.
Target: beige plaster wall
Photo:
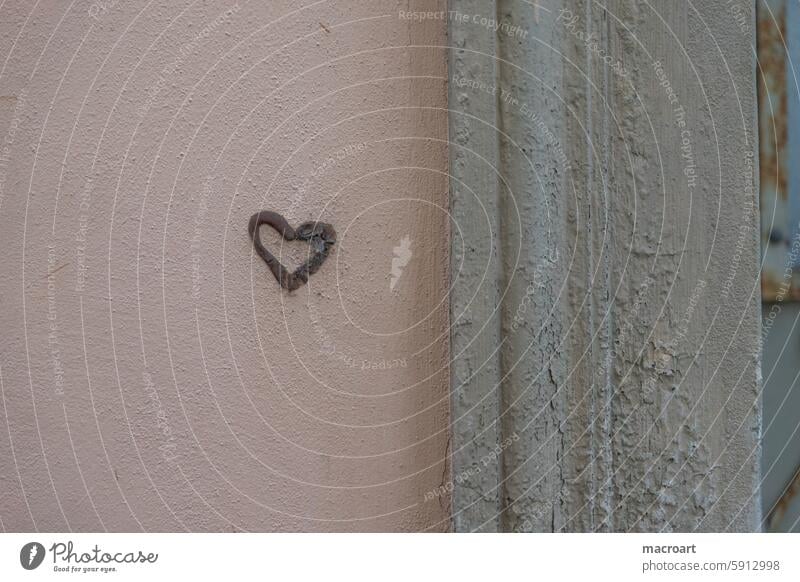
[{"x": 154, "y": 376}]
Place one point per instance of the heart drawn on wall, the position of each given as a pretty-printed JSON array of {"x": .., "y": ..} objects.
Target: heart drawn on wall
[{"x": 319, "y": 235}]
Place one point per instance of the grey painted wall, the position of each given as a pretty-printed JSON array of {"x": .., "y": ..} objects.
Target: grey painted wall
[{"x": 605, "y": 307}]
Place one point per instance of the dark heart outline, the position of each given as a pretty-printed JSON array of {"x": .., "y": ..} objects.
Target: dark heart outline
[{"x": 319, "y": 235}]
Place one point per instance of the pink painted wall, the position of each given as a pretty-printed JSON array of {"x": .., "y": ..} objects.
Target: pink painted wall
[{"x": 154, "y": 376}]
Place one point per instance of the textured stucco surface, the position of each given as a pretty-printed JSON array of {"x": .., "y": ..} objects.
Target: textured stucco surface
[
  {"x": 616, "y": 387},
  {"x": 154, "y": 376}
]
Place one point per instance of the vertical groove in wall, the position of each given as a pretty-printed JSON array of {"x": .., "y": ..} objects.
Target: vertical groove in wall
[
  {"x": 475, "y": 297},
  {"x": 509, "y": 239},
  {"x": 506, "y": 276},
  {"x": 607, "y": 458},
  {"x": 629, "y": 364},
  {"x": 530, "y": 112}
]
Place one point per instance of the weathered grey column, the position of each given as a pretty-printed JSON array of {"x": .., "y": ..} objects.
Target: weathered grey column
[{"x": 605, "y": 305}]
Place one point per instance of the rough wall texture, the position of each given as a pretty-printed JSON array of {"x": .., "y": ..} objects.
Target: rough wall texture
[
  {"x": 475, "y": 266},
  {"x": 153, "y": 375},
  {"x": 623, "y": 365}
]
